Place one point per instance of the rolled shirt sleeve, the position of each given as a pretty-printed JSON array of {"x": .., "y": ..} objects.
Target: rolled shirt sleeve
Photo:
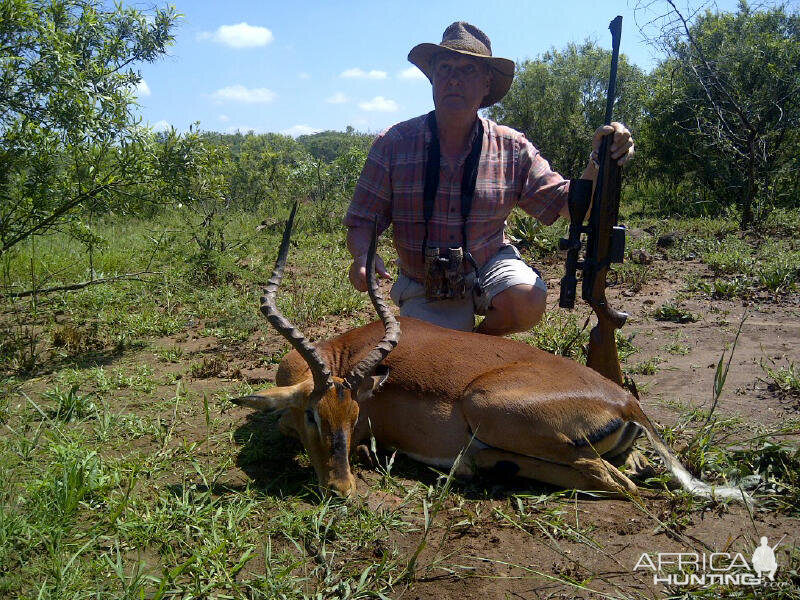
[
  {"x": 544, "y": 192},
  {"x": 373, "y": 193}
]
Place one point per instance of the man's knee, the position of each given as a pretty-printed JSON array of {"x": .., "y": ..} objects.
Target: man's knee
[{"x": 523, "y": 305}]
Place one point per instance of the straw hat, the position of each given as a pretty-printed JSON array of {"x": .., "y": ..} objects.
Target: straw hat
[{"x": 466, "y": 39}]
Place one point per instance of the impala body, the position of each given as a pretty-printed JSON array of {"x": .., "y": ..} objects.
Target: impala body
[
  {"x": 432, "y": 393},
  {"x": 445, "y": 386}
]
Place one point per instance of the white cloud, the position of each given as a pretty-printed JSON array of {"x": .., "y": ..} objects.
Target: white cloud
[
  {"x": 411, "y": 73},
  {"x": 338, "y": 98},
  {"x": 296, "y": 130},
  {"x": 303, "y": 75},
  {"x": 239, "y": 93},
  {"x": 224, "y": 118},
  {"x": 161, "y": 125},
  {"x": 142, "y": 89},
  {"x": 379, "y": 104},
  {"x": 240, "y": 35},
  {"x": 357, "y": 73}
]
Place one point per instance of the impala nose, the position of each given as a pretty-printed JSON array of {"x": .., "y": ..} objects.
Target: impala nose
[{"x": 343, "y": 487}]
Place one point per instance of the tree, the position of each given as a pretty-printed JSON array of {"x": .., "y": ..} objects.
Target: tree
[
  {"x": 262, "y": 164},
  {"x": 726, "y": 103},
  {"x": 327, "y": 145},
  {"x": 194, "y": 175},
  {"x": 68, "y": 138},
  {"x": 559, "y": 100}
]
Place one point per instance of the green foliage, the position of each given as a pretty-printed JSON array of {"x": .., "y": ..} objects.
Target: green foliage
[
  {"x": 786, "y": 379},
  {"x": 645, "y": 367},
  {"x": 559, "y": 333},
  {"x": 260, "y": 169},
  {"x": 559, "y": 100},
  {"x": 329, "y": 145},
  {"x": 670, "y": 311},
  {"x": 67, "y": 136},
  {"x": 532, "y": 235},
  {"x": 70, "y": 405},
  {"x": 725, "y": 109}
]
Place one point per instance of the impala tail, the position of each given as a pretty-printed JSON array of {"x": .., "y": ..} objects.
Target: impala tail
[{"x": 689, "y": 482}]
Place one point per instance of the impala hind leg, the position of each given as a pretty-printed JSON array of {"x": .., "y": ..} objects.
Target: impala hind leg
[
  {"x": 588, "y": 474},
  {"x": 635, "y": 464}
]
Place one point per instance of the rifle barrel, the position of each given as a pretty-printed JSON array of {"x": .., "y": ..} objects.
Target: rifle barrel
[{"x": 616, "y": 34}]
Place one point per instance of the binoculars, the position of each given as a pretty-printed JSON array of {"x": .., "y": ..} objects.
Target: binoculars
[{"x": 444, "y": 276}]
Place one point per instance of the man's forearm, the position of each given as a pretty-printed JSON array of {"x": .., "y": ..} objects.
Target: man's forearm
[
  {"x": 590, "y": 173},
  {"x": 358, "y": 239}
]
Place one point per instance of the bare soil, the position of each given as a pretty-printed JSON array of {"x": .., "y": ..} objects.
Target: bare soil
[{"x": 489, "y": 556}]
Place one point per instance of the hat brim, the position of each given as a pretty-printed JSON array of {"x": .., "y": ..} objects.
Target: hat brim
[{"x": 422, "y": 55}]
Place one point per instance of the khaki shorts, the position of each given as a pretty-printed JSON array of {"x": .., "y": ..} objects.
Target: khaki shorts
[{"x": 503, "y": 270}]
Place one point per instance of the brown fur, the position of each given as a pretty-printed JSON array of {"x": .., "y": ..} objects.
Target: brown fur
[
  {"x": 444, "y": 386},
  {"x": 513, "y": 406}
]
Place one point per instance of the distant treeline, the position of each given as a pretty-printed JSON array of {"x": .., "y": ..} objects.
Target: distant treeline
[{"x": 717, "y": 124}]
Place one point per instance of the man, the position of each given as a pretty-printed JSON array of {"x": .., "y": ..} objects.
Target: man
[{"x": 484, "y": 171}]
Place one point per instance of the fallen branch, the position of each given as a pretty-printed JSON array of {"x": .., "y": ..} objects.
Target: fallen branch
[{"x": 80, "y": 286}]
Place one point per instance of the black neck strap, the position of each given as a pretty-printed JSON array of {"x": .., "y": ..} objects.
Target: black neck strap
[{"x": 468, "y": 179}]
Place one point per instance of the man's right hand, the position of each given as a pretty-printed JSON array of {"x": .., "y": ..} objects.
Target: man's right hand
[{"x": 358, "y": 271}]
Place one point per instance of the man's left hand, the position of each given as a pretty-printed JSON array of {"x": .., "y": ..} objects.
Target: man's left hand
[{"x": 622, "y": 149}]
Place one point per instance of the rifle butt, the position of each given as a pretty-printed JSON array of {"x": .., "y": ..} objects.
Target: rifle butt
[{"x": 602, "y": 355}]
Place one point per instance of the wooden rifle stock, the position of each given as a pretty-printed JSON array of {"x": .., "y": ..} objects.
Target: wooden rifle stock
[{"x": 605, "y": 243}]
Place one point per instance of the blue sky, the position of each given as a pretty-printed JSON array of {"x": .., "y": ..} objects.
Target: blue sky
[{"x": 299, "y": 66}]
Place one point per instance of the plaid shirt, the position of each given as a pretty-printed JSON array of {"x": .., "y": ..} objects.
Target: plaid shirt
[{"x": 511, "y": 173}]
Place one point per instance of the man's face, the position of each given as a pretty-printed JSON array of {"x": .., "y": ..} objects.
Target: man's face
[{"x": 460, "y": 83}]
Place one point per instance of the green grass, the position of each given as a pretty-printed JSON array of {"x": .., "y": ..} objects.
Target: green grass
[
  {"x": 673, "y": 312},
  {"x": 677, "y": 347},
  {"x": 785, "y": 378},
  {"x": 645, "y": 367},
  {"x": 125, "y": 473}
]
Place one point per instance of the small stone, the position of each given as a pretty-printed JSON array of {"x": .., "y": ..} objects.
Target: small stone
[
  {"x": 641, "y": 257},
  {"x": 668, "y": 240}
]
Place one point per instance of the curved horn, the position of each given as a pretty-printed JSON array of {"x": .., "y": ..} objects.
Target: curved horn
[
  {"x": 319, "y": 370},
  {"x": 367, "y": 364}
]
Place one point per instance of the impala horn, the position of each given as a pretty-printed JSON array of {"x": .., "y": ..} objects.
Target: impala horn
[
  {"x": 392, "y": 328},
  {"x": 319, "y": 370}
]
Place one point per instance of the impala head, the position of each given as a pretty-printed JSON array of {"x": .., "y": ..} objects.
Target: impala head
[{"x": 322, "y": 409}]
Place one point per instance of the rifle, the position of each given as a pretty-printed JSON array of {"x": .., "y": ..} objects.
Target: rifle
[{"x": 605, "y": 241}]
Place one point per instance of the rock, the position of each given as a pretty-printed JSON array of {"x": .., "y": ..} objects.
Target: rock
[
  {"x": 634, "y": 233},
  {"x": 641, "y": 256},
  {"x": 668, "y": 240}
]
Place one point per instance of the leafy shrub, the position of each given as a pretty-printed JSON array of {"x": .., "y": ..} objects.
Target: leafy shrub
[{"x": 674, "y": 313}]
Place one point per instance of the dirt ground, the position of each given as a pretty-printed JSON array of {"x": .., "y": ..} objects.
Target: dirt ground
[
  {"x": 578, "y": 546},
  {"x": 490, "y": 557}
]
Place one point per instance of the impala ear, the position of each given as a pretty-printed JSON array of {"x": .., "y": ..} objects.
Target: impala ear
[
  {"x": 373, "y": 383},
  {"x": 277, "y": 398}
]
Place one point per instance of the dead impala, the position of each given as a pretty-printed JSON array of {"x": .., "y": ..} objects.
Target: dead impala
[{"x": 433, "y": 392}]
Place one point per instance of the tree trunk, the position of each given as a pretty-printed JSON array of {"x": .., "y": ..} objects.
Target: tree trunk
[{"x": 747, "y": 197}]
